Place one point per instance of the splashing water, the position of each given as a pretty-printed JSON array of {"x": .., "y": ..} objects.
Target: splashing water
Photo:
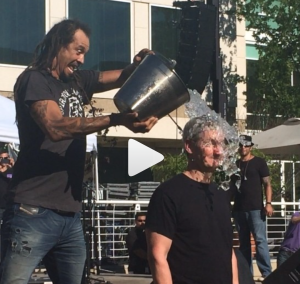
[{"x": 198, "y": 107}]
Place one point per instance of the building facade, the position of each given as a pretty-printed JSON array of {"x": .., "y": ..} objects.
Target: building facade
[{"x": 119, "y": 30}]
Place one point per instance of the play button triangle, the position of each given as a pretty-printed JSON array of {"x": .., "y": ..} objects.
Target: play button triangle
[{"x": 141, "y": 157}]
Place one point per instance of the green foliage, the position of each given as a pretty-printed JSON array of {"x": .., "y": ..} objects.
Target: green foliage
[
  {"x": 275, "y": 26},
  {"x": 275, "y": 174},
  {"x": 172, "y": 165}
]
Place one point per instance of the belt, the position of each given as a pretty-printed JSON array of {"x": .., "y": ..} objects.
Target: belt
[
  {"x": 63, "y": 213},
  {"x": 33, "y": 210}
]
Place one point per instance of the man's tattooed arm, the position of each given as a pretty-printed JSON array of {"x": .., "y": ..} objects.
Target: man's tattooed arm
[{"x": 48, "y": 116}]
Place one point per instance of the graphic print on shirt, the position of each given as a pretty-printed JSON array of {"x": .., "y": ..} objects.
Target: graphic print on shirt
[{"x": 71, "y": 101}]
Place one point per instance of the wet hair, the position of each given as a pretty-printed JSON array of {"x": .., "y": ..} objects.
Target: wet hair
[
  {"x": 60, "y": 35},
  {"x": 138, "y": 214},
  {"x": 195, "y": 126}
]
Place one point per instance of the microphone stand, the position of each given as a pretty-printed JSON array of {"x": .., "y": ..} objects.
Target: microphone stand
[{"x": 90, "y": 234}]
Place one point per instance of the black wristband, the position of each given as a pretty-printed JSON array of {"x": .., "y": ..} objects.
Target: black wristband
[
  {"x": 269, "y": 203},
  {"x": 114, "y": 121}
]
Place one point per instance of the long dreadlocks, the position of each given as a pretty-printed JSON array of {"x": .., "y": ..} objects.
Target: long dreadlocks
[{"x": 59, "y": 36}]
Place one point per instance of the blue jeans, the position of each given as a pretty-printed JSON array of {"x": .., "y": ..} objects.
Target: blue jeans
[
  {"x": 282, "y": 256},
  {"x": 57, "y": 239},
  {"x": 254, "y": 222}
]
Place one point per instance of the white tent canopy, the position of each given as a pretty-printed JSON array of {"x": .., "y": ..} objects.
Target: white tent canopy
[
  {"x": 8, "y": 127},
  {"x": 283, "y": 140},
  {"x": 9, "y": 130}
]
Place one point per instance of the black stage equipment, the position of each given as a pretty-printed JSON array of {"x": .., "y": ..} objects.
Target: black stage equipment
[
  {"x": 198, "y": 59},
  {"x": 196, "y": 43},
  {"x": 219, "y": 96},
  {"x": 287, "y": 273}
]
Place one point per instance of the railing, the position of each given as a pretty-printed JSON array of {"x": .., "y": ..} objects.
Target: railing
[{"x": 107, "y": 222}]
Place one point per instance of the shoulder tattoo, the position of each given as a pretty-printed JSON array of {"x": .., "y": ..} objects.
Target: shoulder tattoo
[{"x": 266, "y": 180}]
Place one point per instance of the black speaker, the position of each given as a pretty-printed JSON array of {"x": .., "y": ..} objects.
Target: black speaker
[
  {"x": 287, "y": 273},
  {"x": 196, "y": 44}
]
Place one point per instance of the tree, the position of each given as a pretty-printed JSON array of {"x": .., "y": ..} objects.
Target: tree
[
  {"x": 275, "y": 174},
  {"x": 172, "y": 165},
  {"x": 176, "y": 163},
  {"x": 275, "y": 26}
]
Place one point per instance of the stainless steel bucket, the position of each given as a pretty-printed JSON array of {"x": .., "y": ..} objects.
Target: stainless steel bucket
[{"x": 153, "y": 89}]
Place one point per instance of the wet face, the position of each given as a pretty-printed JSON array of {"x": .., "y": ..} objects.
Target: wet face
[
  {"x": 71, "y": 57},
  {"x": 207, "y": 152}
]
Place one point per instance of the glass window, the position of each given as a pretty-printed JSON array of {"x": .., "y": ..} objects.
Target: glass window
[
  {"x": 251, "y": 52},
  {"x": 259, "y": 11},
  {"x": 254, "y": 120},
  {"x": 165, "y": 31},
  {"x": 22, "y": 27},
  {"x": 110, "y": 38},
  {"x": 251, "y": 83}
]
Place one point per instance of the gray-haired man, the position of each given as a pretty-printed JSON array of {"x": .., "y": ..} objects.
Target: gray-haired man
[{"x": 188, "y": 226}]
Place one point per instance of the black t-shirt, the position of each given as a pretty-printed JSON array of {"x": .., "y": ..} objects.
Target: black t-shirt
[
  {"x": 5, "y": 178},
  {"x": 136, "y": 239},
  {"x": 197, "y": 218},
  {"x": 250, "y": 195},
  {"x": 50, "y": 174}
]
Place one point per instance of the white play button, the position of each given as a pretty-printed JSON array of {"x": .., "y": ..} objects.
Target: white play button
[{"x": 141, "y": 157}]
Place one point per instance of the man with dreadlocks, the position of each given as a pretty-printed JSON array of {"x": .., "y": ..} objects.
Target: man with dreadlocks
[
  {"x": 188, "y": 226},
  {"x": 42, "y": 220}
]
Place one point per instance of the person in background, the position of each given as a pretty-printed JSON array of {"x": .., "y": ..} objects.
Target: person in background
[
  {"x": 291, "y": 241},
  {"x": 249, "y": 212},
  {"x": 188, "y": 227},
  {"x": 42, "y": 220},
  {"x": 6, "y": 172},
  {"x": 137, "y": 246}
]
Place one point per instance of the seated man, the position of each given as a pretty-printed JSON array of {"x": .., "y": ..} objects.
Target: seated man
[
  {"x": 137, "y": 246},
  {"x": 291, "y": 241}
]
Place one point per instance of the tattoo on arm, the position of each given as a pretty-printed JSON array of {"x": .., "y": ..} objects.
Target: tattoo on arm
[
  {"x": 266, "y": 181},
  {"x": 49, "y": 119}
]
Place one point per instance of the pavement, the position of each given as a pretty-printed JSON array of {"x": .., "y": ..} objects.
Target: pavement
[
  {"x": 109, "y": 274},
  {"x": 109, "y": 278},
  {"x": 103, "y": 278},
  {"x": 127, "y": 279}
]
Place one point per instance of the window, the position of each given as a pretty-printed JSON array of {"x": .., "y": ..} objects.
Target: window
[
  {"x": 252, "y": 52},
  {"x": 22, "y": 27},
  {"x": 110, "y": 38},
  {"x": 255, "y": 120},
  {"x": 259, "y": 9},
  {"x": 165, "y": 30}
]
